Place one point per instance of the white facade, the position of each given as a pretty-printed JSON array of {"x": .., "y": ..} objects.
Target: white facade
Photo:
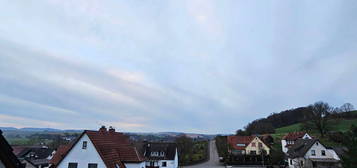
[
  {"x": 88, "y": 155},
  {"x": 285, "y": 142},
  {"x": 169, "y": 163},
  {"x": 317, "y": 151},
  {"x": 135, "y": 165},
  {"x": 82, "y": 156}
]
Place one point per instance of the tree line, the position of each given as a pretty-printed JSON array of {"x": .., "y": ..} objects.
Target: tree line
[{"x": 313, "y": 116}]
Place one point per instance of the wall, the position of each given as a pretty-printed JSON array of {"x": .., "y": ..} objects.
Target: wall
[
  {"x": 169, "y": 163},
  {"x": 256, "y": 140},
  {"x": 283, "y": 146},
  {"x": 135, "y": 165},
  {"x": 318, "y": 149},
  {"x": 83, "y": 156}
]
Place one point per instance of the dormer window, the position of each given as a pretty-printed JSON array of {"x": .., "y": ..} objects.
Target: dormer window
[
  {"x": 162, "y": 153},
  {"x": 84, "y": 145},
  {"x": 154, "y": 153}
]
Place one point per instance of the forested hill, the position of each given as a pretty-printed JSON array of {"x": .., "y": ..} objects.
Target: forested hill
[{"x": 293, "y": 116}]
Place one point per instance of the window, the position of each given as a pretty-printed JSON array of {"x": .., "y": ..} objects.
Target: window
[
  {"x": 72, "y": 165},
  {"x": 323, "y": 153},
  {"x": 164, "y": 164},
  {"x": 313, "y": 153},
  {"x": 301, "y": 163},
  {"x": 84, "y": 145},
  {"x": 253, "y": 144},
  {"x": 152, "y": 163},
  {"x": 162, "y": 154},
  {"x": 154, "y": 153},
  {"x": 92, "y": 165},
  {"x": 253, "y": 152},
  {"x": 317, "y": 144},
  {"x": 240, "y": 144},
  {"x": 260, "y": 145},
  {"x": 291, "y": 162}
]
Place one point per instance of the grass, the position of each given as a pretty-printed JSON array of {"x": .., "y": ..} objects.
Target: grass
[{"x": 335, "y": 125}]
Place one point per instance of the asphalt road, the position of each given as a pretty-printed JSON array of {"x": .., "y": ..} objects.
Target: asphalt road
[{"x": 213, "y": 161}]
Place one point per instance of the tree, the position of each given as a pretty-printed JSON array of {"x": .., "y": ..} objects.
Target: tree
[
  {"x": 185, "y": 148},
  {"x": 241, "y": 132},
  {"x": 347, "y": 107},
  {"x": 350, "y": 141},
  {"x": 320, "y": 112}
]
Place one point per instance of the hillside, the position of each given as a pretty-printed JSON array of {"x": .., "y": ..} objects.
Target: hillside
[{"x": 335, "y": 125}]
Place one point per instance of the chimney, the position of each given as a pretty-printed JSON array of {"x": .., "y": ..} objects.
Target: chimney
[
  {"x": 111, "y": 129},
  {"x": 102, "y": 129}
]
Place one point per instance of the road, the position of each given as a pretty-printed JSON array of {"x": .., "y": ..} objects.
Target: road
[
  {"x": 213, "y": 161},
  {"x": 213, "y": 158}
]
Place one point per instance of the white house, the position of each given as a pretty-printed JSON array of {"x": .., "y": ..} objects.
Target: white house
[
  {"x": 289, "y": 139},
  {"x": 310, "y": 153},
  {"x": 99, "y": 149},
  {"x": 161, "y": 155}
]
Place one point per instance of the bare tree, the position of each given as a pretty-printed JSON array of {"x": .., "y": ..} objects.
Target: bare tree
[
  {"x": 320, "y": 111},
  {"x": 347, "y": 107}
]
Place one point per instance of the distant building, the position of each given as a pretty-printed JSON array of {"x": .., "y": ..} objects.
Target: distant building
[
  {"x": 34, "y": 156},
  {"x": 99, "y": 149},
  {"x": 7, "y": 157},
  {"x": 160, "y": 155},
  {"x": 289, "y": 139},
  {"x": 249, "y": 145},
  {"x": 311, "y": 153}
]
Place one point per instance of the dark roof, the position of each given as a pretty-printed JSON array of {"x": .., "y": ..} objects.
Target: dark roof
[
  {"x": 7, "y": 156},
  {"x": 113, "y": 147},
  {"x": 169, "y": 150},
  {"x": 39, "y": 152},
  {"x": 300, "y": 147}
]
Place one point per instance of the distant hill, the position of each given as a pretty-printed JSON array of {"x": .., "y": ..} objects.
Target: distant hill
[{"x": 30, "y": 129}]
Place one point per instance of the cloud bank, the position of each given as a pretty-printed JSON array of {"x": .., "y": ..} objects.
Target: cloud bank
[{"x": 195, "y": 66}]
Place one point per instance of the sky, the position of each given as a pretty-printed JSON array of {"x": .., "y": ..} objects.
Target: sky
[{"x": 203, "y": 66}]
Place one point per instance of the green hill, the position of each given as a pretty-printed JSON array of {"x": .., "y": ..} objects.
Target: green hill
[{"x": 335, "y": 125}]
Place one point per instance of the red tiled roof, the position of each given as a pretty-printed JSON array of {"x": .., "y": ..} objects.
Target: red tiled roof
[
  {"x": 113, "y": 147},
  {"x": 234, "y": 140},
  {"x": 292, "y": 136}
]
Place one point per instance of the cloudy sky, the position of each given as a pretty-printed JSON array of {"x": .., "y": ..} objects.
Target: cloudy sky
[{"x": 195, "y": 66}]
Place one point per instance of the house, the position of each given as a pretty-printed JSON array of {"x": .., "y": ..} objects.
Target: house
[
  {"x": 311, "y": 153},
  {"x": 34, "y": 156},
  {"x": 99, "y": 149},
  {"x": 249, "y": 145},
  {"x": 160, "y": 155},
  {"x": 289, "y": 139},
  {"x": 7, "y": 157}
]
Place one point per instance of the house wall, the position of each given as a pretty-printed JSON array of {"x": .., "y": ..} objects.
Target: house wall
[
  {"x": 306, "y": 136},
  {"x": 83, "y": 156},
  {"x": 296, "y": 163},
  {"x": 318, "y": 148},
  {"x": 256, "y": 140},
  {"x": 283, "y": 146},
  {"x": 135, "y": 165},
  {"x": 169, "y": 163}
]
